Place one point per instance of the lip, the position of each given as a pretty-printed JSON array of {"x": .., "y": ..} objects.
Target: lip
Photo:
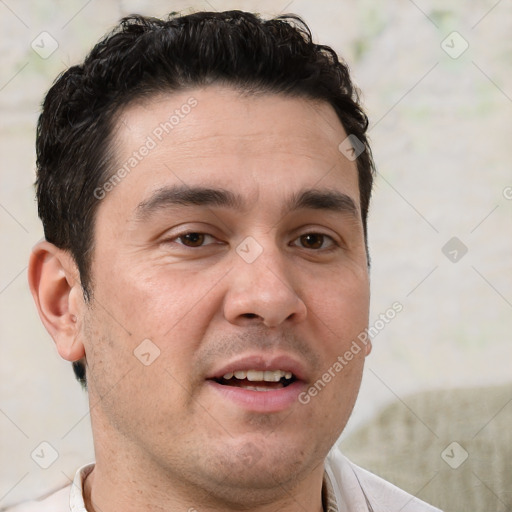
[
  {"x": 272, "y": 401},
  {"x": 275, "y": 400},
  {"x": 261, "y": 362}
]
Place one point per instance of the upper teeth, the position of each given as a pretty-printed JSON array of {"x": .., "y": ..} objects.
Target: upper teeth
[{"x": 257, "y": 375}]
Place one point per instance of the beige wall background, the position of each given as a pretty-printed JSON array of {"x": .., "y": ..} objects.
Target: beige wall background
[{"x": 441, "y": 131}]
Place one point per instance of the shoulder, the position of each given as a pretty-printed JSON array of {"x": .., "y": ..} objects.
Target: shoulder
[
  {"x": 65, "y": 499},
  {"x": 57, "y": 501},
  {"x": 350, "y": 479}
]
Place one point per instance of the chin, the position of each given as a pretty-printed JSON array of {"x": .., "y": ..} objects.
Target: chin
[{"x": 261, "y": 464}]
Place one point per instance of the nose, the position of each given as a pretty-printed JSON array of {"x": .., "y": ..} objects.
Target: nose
[{"x": 263, "y": 291}]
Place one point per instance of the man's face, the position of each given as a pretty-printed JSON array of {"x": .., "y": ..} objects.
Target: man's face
[{"x": 234, "y": 245}]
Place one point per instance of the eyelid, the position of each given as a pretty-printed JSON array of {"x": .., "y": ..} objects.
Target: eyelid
[
  {"x": 171, "y": 235},
  {"x": 312, "y": 231},
  {"x": 207, "y": 236}
]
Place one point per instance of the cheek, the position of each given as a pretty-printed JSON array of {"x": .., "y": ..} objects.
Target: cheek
[
  {"x": 159, "y": 318},
  {"x": 339, "y": 322},
  {"x": 158, "y": 302},
  {"x": 128, "y": 383},
  {"x": 342, "y": 304}
]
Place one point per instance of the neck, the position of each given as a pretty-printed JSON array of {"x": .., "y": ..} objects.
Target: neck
[
  {"x": 116, "y": 488},
  {"x": 128, "y": 477}
]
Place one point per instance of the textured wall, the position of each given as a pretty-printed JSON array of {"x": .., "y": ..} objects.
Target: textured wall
[{"x": 440, "y": 105}]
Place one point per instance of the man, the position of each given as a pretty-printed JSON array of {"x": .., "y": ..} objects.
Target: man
[{"x": 204, "y": 184}]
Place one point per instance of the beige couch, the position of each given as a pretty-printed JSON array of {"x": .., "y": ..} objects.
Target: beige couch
[{"x": 451, "y": 448}]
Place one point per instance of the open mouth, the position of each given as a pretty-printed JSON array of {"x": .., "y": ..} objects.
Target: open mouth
[
  {"x": 257, "y": 380},
  {"x": 258, "y": 384}
]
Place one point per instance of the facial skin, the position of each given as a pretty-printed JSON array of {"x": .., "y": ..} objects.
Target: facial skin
[{"x": 167, "y": 436}]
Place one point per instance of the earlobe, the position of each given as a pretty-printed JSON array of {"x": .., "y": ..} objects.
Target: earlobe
[{"x": 55, "y": 285}]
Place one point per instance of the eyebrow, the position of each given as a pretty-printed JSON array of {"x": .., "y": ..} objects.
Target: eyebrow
[
  {"x": 183, "y": 195},
  {"x": 324, "y": 199}
]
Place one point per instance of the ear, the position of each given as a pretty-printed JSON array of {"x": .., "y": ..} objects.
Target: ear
[
  {"x": 55, "y": 285},
  {"x": 368, "y": 347}
]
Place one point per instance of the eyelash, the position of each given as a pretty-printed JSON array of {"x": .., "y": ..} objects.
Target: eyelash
[
  {"x": 332, "y": 243},
  {"x": 330, "y": 239},
  {"x": 188, "y": 233}
]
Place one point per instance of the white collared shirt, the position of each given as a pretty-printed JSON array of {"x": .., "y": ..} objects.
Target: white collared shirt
[{"x": 347, "y": 488}]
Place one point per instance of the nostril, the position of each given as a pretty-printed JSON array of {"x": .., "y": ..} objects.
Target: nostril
[{"x": 250, "y": 315}]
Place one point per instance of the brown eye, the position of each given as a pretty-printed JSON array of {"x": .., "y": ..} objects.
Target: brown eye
[
  {"x": 192, "y": 239},
  {"x": 312, "y": 240}
]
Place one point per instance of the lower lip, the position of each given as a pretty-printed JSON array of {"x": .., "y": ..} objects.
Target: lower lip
[{"x": 275, "y": 400}]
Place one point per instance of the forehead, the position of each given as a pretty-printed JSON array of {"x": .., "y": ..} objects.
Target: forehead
[{"x": 217, "y": 136}]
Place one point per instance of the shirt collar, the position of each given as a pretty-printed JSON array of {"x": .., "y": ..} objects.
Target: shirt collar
[
  {"x": 328, "y": 496},
  {"x": 76, "y": 495}
]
